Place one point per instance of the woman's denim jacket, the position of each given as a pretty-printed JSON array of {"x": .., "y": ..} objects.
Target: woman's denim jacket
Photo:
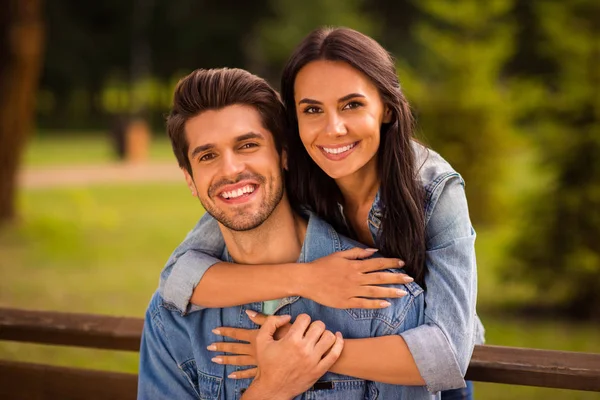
[
  {"x": 443, "y": 345},
  {"x": 175, "y": 364}
]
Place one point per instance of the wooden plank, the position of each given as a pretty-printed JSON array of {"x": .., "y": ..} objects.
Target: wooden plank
[
  {"x": 45, "y": 382},
  {"x": 544, "y": 368},
  {"x": 531, "y": 367},
  {"x": 70, "y": 329}
]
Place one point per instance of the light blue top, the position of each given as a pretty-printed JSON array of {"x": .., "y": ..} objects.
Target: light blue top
[
  {"x": 443, "y": 346},
  {"x": 175, "y": 364}
]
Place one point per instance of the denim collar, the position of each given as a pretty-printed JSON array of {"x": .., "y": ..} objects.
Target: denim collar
[{"x": 321, "y": 240}]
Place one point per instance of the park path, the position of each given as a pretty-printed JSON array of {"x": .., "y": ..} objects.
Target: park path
[{"x": 85, "y": 175}]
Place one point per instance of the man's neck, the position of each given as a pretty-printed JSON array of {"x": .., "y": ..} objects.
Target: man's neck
[{"x": 277, "y": 240}]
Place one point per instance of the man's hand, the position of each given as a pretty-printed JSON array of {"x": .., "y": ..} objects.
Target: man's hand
[
  {"x": 291, "y": 365},
  {"x": 345, "y": 280}
]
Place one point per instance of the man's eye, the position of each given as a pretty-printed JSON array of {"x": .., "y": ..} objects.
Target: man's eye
[
  {"x": 352, "y": 105},
  {"x": 207, "y": 157},
  {"x": 248, "y": 146},
  {"x": 311, "y": 110}
]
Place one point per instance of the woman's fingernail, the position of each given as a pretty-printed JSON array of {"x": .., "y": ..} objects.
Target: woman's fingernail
[
  {"x": 216, "y": 331},
  {"x": 211, "y": 347},
  {"x": 385, "y": 304},
  {"x": 401, "y": 263},
  {"x": 371, "y": 250},
  {"x": 232, "y": 375},
  {"x": 401, "y": 292},
  {"x": 251, "y": 313},
  {"x": 408, "y": 279},
  {"x": 217, "y": 360}
]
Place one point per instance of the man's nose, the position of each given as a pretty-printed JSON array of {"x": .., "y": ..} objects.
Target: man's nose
[
  {"x": 232, "y": 165},
  {"x": 335, "y": 125}
]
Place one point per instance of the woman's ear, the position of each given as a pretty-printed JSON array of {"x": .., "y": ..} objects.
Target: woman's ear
[
  {"x": 190, "y": 182},
  {"x": 387, "y": 115}
]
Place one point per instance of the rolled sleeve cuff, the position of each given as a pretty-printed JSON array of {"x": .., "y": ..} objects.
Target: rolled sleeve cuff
[
  {"x": 434, "y": 358},
  {"x": 184, "y": 277}
]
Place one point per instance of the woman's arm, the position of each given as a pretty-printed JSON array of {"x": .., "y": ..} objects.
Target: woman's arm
[{"x": 195, "y": 277}]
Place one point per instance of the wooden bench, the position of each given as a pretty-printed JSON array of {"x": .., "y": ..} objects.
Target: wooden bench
[{"x": 19, "y": 380}]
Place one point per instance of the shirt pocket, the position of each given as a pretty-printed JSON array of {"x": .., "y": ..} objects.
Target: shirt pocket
[
  {"x": 343, "y": 389},
  {"x": 207, "y": 387}
]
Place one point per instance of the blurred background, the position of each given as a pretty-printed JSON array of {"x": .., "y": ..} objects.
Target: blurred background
[{"x": 92, "y": 202}]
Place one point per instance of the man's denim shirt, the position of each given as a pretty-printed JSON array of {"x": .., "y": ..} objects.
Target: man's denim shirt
[
  {"x": 175, "y": 364},
  {"x": 443, "y": 345}
]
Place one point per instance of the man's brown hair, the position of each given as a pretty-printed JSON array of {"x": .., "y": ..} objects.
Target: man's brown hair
[{"x": 214, "y": 89}]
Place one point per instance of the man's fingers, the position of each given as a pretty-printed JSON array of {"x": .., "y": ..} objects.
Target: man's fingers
[
  {"x": 247, "y": 373},
  {"x": 376, "y": 264},
  {"x": 244, "y": 335},
  {"x": 299, "y": 326},
  {"x": 314, "y": 332},
  {"x": 325, "y": 342},
  {"x": 356, "y": 253},
  {"x": 257, "y": 318},
  {"x": 233, "y": 348},
  {"x": 331, "y": 357},
  {"x": 367, "y": 304},
  {"x": 234, "y": 360},
  {"x": 385, "y": 278},
  {"x": 376, "y": 292},
  {"x": 271, "y": 325}
]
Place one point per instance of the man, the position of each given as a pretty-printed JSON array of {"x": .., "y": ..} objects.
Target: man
[{"x": 227, "y": 130}]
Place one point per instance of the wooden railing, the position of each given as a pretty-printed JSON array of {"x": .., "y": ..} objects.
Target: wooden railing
[{"x": 19, "y": 380}]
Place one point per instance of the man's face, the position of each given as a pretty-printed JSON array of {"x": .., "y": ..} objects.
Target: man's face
[{"x": 236, "y": 170}]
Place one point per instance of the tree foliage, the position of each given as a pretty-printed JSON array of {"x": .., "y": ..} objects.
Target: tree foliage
[{"x": 559, "y": 248}]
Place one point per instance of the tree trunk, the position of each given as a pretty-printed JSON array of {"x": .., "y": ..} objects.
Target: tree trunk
[{"x": 21, "y": 42}]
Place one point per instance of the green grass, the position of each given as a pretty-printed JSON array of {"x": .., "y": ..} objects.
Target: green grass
[{"x": 76, "y": 148}]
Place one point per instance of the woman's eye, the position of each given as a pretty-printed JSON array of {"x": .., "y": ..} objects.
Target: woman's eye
[
  {"x": 352, "y": 105},
  {"x": 311, "y": 110},
  {"x": 207, "y": 157}
]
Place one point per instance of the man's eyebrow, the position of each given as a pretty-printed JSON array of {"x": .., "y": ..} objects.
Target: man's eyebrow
[
  {"x": 201, "y": 148},
  {"x": 249, "y": 135},
  {"x": 341, "y": 100}
]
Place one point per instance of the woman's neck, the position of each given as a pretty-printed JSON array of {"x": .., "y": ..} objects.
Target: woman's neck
[{"x": 360, "y": 188}]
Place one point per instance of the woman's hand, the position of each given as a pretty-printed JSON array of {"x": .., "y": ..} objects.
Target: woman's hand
[
  {"x": 243, "y": 354},
  {"x": 345, "y": 280}
]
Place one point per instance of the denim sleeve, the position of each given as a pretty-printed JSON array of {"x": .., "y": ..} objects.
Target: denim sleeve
[
  {"x": 443, "y": 345},
  {"x": 199, "y": 251},
  {"x": 159, "y": 374}
]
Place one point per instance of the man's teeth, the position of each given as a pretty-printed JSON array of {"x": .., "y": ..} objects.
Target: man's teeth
[
  {"x": 339, "y": 150},
  {"x": 237, "y": 193}
]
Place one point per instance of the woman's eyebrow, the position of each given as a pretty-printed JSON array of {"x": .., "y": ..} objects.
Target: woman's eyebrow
[{"x": 340, "y": 100}]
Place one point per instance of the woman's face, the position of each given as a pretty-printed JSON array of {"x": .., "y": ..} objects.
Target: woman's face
[{"x": 340, "y": 113}]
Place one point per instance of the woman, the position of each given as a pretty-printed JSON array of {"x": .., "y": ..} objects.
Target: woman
[{"x": 352, "y": 159}]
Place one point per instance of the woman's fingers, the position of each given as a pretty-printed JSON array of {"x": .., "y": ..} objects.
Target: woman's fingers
[
  {"x": 244, "y": 335},
  {"x": 233, "y": 348},
  {"x": 375, "y": 292},
  {"x": 377, "y": 264},
  {"x": 234, "y": 360},
  {"x": 256, "y": 317},
  {"x": 245, "y": 374},
  {"x": 356, "y": 253},
  {"x": 385, "y": 278}
]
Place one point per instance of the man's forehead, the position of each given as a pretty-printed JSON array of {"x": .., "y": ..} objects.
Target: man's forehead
[{"x": 224, "y": 125}]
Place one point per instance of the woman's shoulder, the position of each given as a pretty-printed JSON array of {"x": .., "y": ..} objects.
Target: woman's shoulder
[{"x": 431, "y": 166}]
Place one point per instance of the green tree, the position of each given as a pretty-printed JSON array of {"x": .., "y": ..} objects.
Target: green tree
[
  {"x": 21, "y": 41},
  {"x": 559, "y": 248},
  {"x": 458, "y": 91},
  {"x": 276, "y": 36}
]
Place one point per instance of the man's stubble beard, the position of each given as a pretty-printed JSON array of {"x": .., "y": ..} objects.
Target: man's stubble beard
[{"x": 246, "y": 221}]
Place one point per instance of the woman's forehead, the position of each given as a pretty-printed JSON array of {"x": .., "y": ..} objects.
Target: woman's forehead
[{"x": 322, "y": 78}]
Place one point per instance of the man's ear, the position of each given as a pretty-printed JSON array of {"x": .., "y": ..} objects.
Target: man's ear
[
  {"x": 190, "y": 182},
  {"x": 387, "y": 115},
  {"x": 284, "y": 159}
]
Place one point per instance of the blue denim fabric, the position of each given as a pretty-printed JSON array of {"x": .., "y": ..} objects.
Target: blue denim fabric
[
  {"x": 175, "y": 364},
  {"x": 443, "y": 345}
]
